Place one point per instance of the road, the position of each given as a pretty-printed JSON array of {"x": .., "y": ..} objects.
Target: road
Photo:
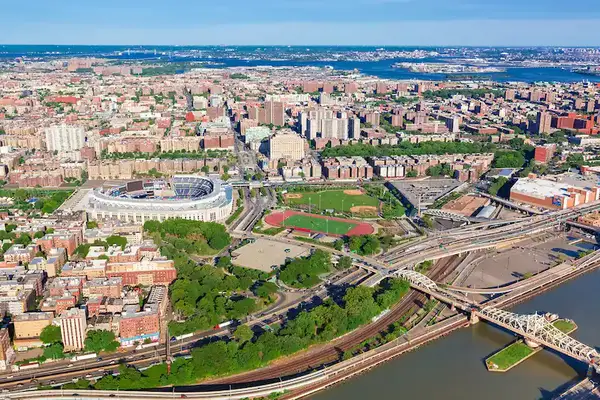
[{"x": 64, "y": 371}]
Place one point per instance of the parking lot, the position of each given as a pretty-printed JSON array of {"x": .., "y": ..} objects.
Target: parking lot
[{"x": 524, "y": 259}]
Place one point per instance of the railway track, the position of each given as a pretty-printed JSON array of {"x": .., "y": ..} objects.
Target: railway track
[{"x": 330, "y": 353}]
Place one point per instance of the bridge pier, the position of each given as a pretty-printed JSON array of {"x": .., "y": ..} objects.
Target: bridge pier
[
  {"x": 592, "y": 371},
  {"x": 532, "y": 344},
  {"x": 473, "y": 318},
  {"x": 452, "y": 307}
]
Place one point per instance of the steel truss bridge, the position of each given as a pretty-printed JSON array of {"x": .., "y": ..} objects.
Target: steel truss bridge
[{"x": 535, "y": 328}]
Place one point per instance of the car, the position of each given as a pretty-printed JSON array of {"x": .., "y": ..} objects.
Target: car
[
  {"x": 111, "y": 395},
  {"x": 183, "y": 396},
  {"x": 70, "y": 365},
  {"x": 113, "y": 362},
  {"x": 88, "y": 376},
  {"x": 10, "y": 377},
  {"x": 52, "y": 382},
  {"x": 99, "y": 359},
  {"x": 20, "y": 385},
  {"x": 75, "y": 394}
]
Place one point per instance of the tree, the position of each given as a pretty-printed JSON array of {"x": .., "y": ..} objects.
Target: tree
[
  {"x": 411, "y": 174},
  {"x": 265, "y": 289},
  {"x": 338, "y": 245},
  {"x": 39, "y": 234},
  {"x": 117, "y": 240},
  {"x": 92, "y": 224},
  {"x": 509, "y": 159},
  {"x": 497, "y": 185},
  {"x": 344, "y": 262},
  {"x": 243, "y": 333},
  {"x": 55, "y": 351},
  {"x": 99, "y": 340},
  {"x": 51, "y": 334},
  {"x": 427, "y": 221}
]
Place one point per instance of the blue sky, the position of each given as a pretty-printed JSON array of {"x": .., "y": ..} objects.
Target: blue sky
[{"x": 361, "y": 22}]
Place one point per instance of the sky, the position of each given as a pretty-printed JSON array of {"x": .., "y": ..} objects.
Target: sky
[{"x": 302, "y": 22}]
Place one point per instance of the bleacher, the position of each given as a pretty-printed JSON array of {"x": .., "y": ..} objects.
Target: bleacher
[{"x": 191, "y": 187}]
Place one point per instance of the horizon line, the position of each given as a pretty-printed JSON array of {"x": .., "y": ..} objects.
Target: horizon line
[{"x": 306, "y": 45}]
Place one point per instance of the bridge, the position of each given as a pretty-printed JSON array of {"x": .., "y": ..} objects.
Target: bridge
[{"x": 537, "y": 329}]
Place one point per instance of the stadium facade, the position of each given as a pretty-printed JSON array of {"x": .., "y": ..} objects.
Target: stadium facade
[{"x": 183, "y": 196}]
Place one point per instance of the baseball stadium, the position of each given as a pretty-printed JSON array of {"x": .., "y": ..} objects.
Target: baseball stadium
[
  {"x": 319, "y": 224},
  {"x": 183, "y": 196}
]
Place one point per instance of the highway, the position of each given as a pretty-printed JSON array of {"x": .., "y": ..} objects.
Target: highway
[{"x": 457, "y": 241}]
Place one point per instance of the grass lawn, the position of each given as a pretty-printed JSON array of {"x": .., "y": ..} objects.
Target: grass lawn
[
  {"x": 510, "y": 355},
  {"x": 564, "y": 326},
  {"x": 319, "y": 224},
  {"x": 332, "y": 200}
]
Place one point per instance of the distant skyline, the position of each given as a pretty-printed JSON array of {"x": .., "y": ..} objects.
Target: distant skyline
[{"x": 303, "y": 22}]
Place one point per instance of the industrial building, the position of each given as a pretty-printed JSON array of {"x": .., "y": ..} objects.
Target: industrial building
[{"x": 550, "y": 194}]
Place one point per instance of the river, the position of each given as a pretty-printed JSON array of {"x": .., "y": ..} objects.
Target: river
[{"x": 453, "y": 367}]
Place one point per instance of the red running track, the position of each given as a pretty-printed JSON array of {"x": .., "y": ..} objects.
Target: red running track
[{"x": 361, "y": 228}]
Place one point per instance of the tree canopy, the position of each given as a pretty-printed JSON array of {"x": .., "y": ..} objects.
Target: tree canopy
[
  {"x": 51, "y": 334},
  {"x": 100, "y": 340}
]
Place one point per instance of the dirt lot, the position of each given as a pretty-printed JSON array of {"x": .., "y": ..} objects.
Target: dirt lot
[
  {"x": 364, "y": 209},
  {"x": 353, "y": 192},
  {"x": 264, "y": 254}
]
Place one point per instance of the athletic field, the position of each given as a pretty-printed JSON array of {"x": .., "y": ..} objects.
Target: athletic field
[
  {"x": 338, "y": 200},
  {"x": 319, "y": 223}
]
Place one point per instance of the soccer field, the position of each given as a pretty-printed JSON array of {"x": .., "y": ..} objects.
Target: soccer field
[
  {"x": 319, "y": 224},
  {"x": 332, "y": 200}
]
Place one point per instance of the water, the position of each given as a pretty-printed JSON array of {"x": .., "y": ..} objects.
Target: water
[
  {"x": 236, "y": 56},
  {"x": 453, "y": 367}
]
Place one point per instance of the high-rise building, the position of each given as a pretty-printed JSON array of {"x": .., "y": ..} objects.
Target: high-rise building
[
  {"x": 64, "y": 138},
  {"x": 510, "y": 94},
  {"x": 286, "y": 145},
  {"x": 7, "y": 353},
  {"x": 325, "y": 123},
  {"x": 275, "y": 113},
  {"x": 544, "y": 122},
  {"x": 72, "y": 327},
  {"x": 354, "y": 128},
  {"x": 543, "y": 154}
]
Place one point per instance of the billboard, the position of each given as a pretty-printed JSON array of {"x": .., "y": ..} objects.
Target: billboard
[{"x": 134, "y": 186}]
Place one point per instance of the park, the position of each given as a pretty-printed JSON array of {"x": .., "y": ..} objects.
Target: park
[{"x": 352, "y": 201}]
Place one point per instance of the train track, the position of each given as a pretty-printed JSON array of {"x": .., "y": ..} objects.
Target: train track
[{"x": 330, "y": 353}]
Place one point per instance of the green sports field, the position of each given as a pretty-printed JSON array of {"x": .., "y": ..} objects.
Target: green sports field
[
  {"x": 319, "y": 224},
  {"x": 332, "y": 200}
]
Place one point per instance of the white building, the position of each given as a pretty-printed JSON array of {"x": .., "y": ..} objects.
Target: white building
[
  {"x": 64, "y": 138},
  {"x": 185, "y": 196},
  {"x": 73, "y": 327},
  {"x": 286, "y": 145}
]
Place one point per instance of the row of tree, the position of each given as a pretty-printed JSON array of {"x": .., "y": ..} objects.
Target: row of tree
[
  {"x": 224, "y": 357},
  {"x": 407, "y": 148}
]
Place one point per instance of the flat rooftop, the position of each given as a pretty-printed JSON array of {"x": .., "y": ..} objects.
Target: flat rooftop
[
  {"x": 428, "y": 190},
  {"x": 466, "y": 205},
  {"x": 263, "y": 255}
]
